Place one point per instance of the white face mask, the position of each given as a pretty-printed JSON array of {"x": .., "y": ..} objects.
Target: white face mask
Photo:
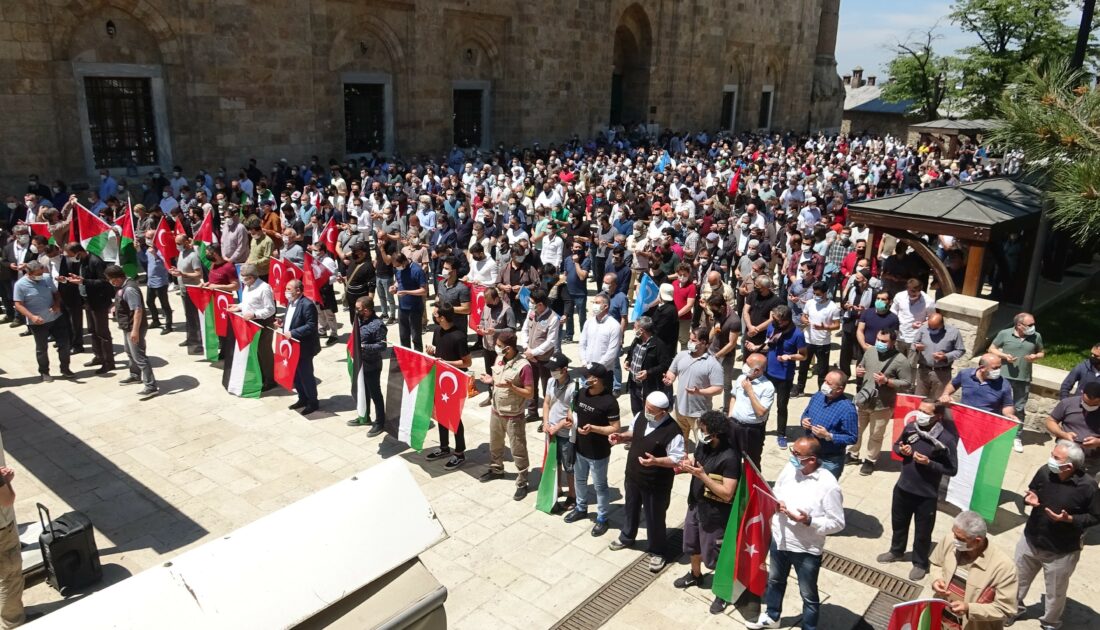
[
  {"x": 1088, "y": 407},
  {"x": 923, "y": 419},
  {"x": 34, "y": 249},
  {"x": 961, "y": 546},
  {"x": 12, "y": 205},
  {"x": 1030, "y": 330},
  {"x": 692, "y": 347},
  {"x": 289, "y": 296},
  {"x": 650, "y": 417},
  {"x": 993, "y": 374},
  {"x": 1055, "y": 466},
  {"x": 606, "y": 288}
]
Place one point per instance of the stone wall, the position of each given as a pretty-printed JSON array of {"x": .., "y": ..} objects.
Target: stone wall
[
  {"x": 245, "y": 78},
  {"x": 972, "y": 316}
]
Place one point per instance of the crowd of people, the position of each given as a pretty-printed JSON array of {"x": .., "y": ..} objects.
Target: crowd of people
[{"x": 727, "y": 262}]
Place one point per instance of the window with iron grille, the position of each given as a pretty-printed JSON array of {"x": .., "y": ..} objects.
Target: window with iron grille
[
  {"x": 364, "y": 117},
  {"x": 121, "y": 121}
]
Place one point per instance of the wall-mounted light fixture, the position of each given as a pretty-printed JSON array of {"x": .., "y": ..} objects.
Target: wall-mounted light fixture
[{"x": 111, "y": 30}]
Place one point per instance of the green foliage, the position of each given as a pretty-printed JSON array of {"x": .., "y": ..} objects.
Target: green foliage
[
  {"x": 1069, "y": 328},
  {"x": 1057, "y": 125},
  {"x": 918, "y": 74}
]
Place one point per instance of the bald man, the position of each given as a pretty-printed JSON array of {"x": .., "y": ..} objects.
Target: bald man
[
  {"x": 749, "y": 406},
  {"x": 983, "y": 387},
  {"x": 937, "y": 346}
]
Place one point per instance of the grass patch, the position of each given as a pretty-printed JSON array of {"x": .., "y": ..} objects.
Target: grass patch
[{"x": 1069, "y": 329}]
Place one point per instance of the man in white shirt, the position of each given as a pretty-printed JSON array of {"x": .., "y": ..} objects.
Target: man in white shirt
[
  {"x": 912, "y": 306},
  {"x": 820, "y": 318},
  {"x": 750, "y": 405},
  {"x": 553, "y": 249},
  {"x": 483, "y": 270},
  {"x": 811, "y": 506},
  {"x": 257, "y": 304},
  {"x": 601, "y": 338},
  {"x": 548, "y": 198}
]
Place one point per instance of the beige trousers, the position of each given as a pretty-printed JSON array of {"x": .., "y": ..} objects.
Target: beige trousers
[
  {"x": 878, "y": 421},
  {"x": 11, "y": 579},
  {"x": 514, "y": 428}
]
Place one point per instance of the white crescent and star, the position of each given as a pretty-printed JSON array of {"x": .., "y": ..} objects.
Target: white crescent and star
[
  {"x": 161, "y": 242},
  {"x": 444, "y": 376},
  {"x": 911, "y": 416},
  {"x": 222, "y": 303},
  {"x": 285, "y": 343}
]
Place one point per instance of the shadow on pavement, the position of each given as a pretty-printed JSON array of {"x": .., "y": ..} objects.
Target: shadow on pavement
[{"x": 860, "y": 525}]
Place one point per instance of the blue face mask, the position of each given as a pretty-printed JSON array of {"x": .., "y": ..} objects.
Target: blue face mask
[
  {"x": 881, "y": 346},
  {"x": 797, "y": 463}
]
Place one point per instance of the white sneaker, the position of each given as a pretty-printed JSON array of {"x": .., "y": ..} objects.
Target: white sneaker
[
  {"x": 1018, "y": 445},
  {"x": 763, "y": 622}
]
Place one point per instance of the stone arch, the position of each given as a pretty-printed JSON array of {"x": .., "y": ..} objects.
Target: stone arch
[
  {"x": 632, "y": 60},
  {"x": 345, "y": 45},
  {"x": 89, "y": 16},
  {"x": 939, "y": 270},
  {"x": 478, "y": 56}
]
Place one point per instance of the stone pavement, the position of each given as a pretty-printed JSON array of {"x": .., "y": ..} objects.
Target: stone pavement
[{"x": 161, "y": 476}]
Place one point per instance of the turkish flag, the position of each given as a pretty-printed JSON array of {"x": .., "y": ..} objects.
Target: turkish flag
[
  {"x": 280, "y": 273},
  {"x": 477, "y": 304},
  {"x": 329, "y": 234},
  {"x": 904, "y": 406},
  {"x": 755, "y": 533},
  {"x": 222, "y": 300},
  {"x": 287, "y": 351},
  {"x": 180, "y": 230},
  {"x": 312, "y": 279},
  {"x": 164, "y": 241},
  {"x": 735, "y": 181},
  {"x": 450, "y": 395}
]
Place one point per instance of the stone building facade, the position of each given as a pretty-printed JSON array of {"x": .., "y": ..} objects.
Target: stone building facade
[{"x": 86, "y": 83}]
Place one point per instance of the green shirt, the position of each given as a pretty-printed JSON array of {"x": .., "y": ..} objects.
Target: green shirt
[
  {"x": 1007, "y": 342},
  {"x": 542, "y": 227}
]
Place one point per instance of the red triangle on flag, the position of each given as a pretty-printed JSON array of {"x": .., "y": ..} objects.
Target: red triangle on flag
[
  {"x": 414, "y": 365},
  {"x": 977, "y": 427},
  {"x": 243, "y": 330},
  {"x": 200, "y": 297}
]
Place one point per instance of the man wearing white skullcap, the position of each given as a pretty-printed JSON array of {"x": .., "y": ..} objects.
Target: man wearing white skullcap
[{"x": 656, "y": 448}]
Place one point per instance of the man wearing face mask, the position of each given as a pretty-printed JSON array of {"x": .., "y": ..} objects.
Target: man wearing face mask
[
  {"x": 188, "y": 272},
  {"x": 715, "y": 470},
  {"x": 784, "y": 344},
  {"x": 513, "y": 385},
  {"x": 597, "y": 417},
  {"x": 13, "y": 260},
  {"x": 300, "y": 324},
  {"x": 515, "y": 275},
  {"x": 1064, "y": 502},
  {"x": 257, "y": 304},
  {"x": 700, "y": 379},
  {"x": 873, "y": 320},
  {"x": 646, "y": 361},
  {"x": 927, "y": 446},
  {"x": 540, "y": 329},
  {"x": 1077, "y": 419},
  {"x": 983, "y": 387},
  {"x": 810, "y": 507},
  {"x": 449, "y": 345},
  {"x": 656, "y": 450},
  {"x": 559, "y": 426},
  {"x": 1018, "y": 347},
  {"x": 132, "y": 322},
  {"x": 234, "y": 238},
  {"x": 820, "y": 317},
  {"x": 832, "y": 419},
  {"x": 1085, "y": 372},
  {"x": 37, "y": 299},
  {"x": 97, "y": 295},
  {"x": 750, "y": 405},
  {"x": 885, "y": 373},
  {"x": 976, "y": 578},
  {"x": 601, "y": 337},
  {"x": 936, "y": 346}
]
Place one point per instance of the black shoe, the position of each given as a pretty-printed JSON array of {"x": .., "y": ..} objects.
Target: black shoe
[
  {"x": 155, "y": 324},
  {"x": 77, "y": 350},
  {"x": 67, "y": 373},
  {"x": 130, "y": 380},
  {"x": 301, "y": 403},
  {"x": 917, "y": 574},
  {"x": 867, "y": 468},
  {"x": 850, "y": 459},
  {"x": 491, "y": 475},
  {"x": 718, "y": 606},
  {"x": 563, "y": 507},
  {"x": 104, "y": 369},
  {"x": 46, "y": 378},
  {"x": 93, "y": 363},
  {"x": 183, "y": 343},
  {"x": 616, "y": 392},
  {"x": 354, "y": 422},
  {"x": 455, "y": 461},
  {"x": 194, "y": 351},
  {"x": 438, "y": 453},
  {"x": 25, "y": 333},
  {"x": 376, "y": 429},
  {"x": 889, "y": 556},
  {"x": 521, "y": 493},
  {"x": 599, "y": 529},
  {"x": 332, "y": 341},
  {"x": 166, "y": 330},
  {"x": 148, "y": 392},
  {"x": 532, "y": 418},
  {"x": 798, "y": 392},
  {"x": 308, "y": 409},
  {"x": 540, "y": 428},
  {"x": 573, "y": 516},
  {"x": 690, "y": 579}
]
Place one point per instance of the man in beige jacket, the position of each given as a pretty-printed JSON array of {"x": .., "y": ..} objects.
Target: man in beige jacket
[{"x": 977, "y": 579}]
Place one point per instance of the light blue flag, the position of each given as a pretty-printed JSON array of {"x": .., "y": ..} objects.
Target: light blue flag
[
  {"x": 240, "y": 285},
  {"x": 524, "y": 297},
  {"x": 647, "y": 292}
]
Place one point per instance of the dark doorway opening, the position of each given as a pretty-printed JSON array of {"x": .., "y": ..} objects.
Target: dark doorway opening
[
  {"x": 616, "y": 99},
  {"x": 364, "y": 117},
  {"x": 468, "y": 107},
  {"x": 726, "y": 121},
  {"x": 765, "y": 119},
  {"x": 630, "y": 73}
]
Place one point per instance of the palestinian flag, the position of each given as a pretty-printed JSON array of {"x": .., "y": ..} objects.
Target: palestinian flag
[
  {"x": 205, "y": 238},
  {"x": 355, "y": 372},
  {"x": 985, "y": 442},
  {"x": 127, "y": 251},
  {"x": 243, "y": 376},
  {"x": 92, "y": 229},
  {"x": 741, "y": 562},
  {"x": 548, "y": 483},
  {"x": 921, "y": 614},
  {"x": 203, "y": 299},
  {"x": 418, "y": 395},
  {"x": 42, "y": 229},
  {"x": 904, "y": 407}
]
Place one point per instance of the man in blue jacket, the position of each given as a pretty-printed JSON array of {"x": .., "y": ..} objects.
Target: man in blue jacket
[{"x": 300, "y": 322}]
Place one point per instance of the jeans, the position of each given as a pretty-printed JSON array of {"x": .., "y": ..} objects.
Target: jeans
[
  {"x": 782, "y": 397},
  {"x": 139, "y": 361},
  {"x": 387, "y": 306},
  {"x": 834, "y": 464},
  {"x": 806, "y": 567},
  {"x": 59, "y": 328},
  {"x": 411, "y": 328},
  {"x": 599, "y": 480},
  {"x": 578, "y": 304},
  {"x": 1020, "y": 392}
]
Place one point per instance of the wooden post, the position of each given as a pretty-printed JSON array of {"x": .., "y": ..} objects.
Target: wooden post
[{"x": 973, "y": 282}]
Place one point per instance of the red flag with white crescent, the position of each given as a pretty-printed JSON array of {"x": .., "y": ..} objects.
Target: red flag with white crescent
[
  {"x": 222, "y": 300},
  {"x": 477, "y": 304},
  {"x": 329, "y": 236},
  {"x": 450, "y": 395},
  {"x": 312, "y": 280},
  {"x": 164, "y": 241},
  {"x": 905, "y": 406},
  {"x": 276, "y": 277},
  {"x": 287, "y": 352},
  {"x": 755, "y": 534}
]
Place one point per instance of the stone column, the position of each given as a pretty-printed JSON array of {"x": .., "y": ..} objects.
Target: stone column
[{"x": 972, "y": 316}]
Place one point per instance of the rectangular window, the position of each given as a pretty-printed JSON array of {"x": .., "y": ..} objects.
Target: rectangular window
[
  {"x": 468, "y": 117},
  {"x": 728, "y": 118},
  {"x": 364, "y": 117},
  {"x": 121, "y": 121},
  {"x": 765, "y": 120}
]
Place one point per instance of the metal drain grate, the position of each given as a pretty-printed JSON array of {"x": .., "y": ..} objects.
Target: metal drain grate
[
  {"x": 878, "y": 613},
  {"x": 892, "y": 585},
  {"x": 609, "y": 600}
]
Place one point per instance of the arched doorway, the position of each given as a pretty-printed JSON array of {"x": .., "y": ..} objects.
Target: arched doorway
[{"x": 630, "y": 72}]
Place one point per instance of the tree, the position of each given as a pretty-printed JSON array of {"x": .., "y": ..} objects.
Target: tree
[
  {"x": 918, "y": 74},
  {"x": 1055, "y": 119},
  {"x": 1011, "y": 34}
]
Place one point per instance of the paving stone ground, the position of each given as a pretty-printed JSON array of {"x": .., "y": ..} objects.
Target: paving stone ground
[{"x": 162, "y": 476}]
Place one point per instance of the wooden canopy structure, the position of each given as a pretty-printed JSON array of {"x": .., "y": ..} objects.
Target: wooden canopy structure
[
  {"x": 977, "y": 214},
  {"x": 950, "y": 129}
]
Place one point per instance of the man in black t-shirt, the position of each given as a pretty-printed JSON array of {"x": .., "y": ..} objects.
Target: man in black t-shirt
[
  {"x": 714, "y": 471},
  {"x": 757, "y": 314},
  {"x": 597, "y": 414},
  {"x": 449, "y": 345}
]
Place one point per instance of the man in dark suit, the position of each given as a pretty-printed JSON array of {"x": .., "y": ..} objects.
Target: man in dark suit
[
  {"x": 12, "y": 258},
  {"x": 71, "y": 306},
  {"x": 300, "y": 322},
  {"x": 97, "y": 294}
]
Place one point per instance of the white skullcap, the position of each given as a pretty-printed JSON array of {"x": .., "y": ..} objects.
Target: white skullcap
[{"x": 657, "y": 399}]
